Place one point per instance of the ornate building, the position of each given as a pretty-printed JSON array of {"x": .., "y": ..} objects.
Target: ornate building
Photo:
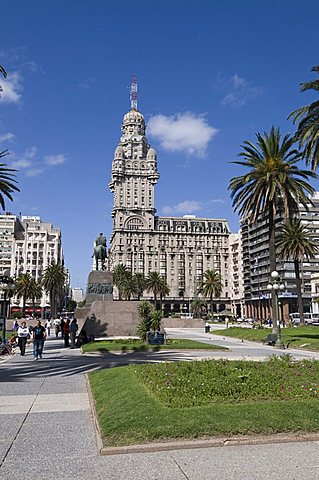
[{"x": 179, "y": 248}]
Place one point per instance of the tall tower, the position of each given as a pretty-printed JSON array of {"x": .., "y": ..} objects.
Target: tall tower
[{"x": 134, "y": 174}]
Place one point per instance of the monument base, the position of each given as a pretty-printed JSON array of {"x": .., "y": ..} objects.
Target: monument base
[{"x": 101, "y": 316}]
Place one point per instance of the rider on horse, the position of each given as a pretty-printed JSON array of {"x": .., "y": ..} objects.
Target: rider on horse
[{"x": 100, "y": 251}]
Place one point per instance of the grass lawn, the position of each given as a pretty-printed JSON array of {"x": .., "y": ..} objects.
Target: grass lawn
[
  {"x": 135, "y": 344},
  {"x": 304, "y": 337},
  {"x": 142, "y": 403}
]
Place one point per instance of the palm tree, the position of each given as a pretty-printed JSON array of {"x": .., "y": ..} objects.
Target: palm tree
[
  {"x": 4, "y": 73},
  {"x": 145, "y": 312},
  {"x": 211, "y": 285},
  {"x": 120, "y": 274},
  {"x": 139, "y": 280},
  {"x": 156, "y": 319},
  {"x": 7, "y": 181},
  {"x": 308, "y": 127},
  {"x": 273, "y": 181},
  {"x": 154, "y": 284},
  {"x": 293, "y": 242},
  {"x": 22, "y": 288},
  {"x": 198, "y": 307},
  {"x": 53, "y": 281},
  {"x": 35, "y": 291},
  {"x": 128, "y": 286}
]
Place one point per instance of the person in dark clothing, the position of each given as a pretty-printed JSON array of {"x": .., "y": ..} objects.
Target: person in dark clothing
[
  {"x": 73, "y": 331},
  {"x": 66, "y": 333},
  {"x": 62, "y": 327},
  {"x": 38, "y": 334}
]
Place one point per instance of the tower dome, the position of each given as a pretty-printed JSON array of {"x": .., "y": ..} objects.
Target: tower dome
[{"x": 133, "y": 116}]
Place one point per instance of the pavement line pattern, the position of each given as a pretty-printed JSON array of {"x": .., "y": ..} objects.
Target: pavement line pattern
[{"x": 62, "y": 402}]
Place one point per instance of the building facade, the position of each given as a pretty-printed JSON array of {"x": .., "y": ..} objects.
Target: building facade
[
  {"x": 180, "y": 249},
  {"x": 28, "y": 245},
  {"x": 256, "y": 269}
]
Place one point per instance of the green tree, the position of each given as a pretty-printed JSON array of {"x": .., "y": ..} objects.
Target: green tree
[
  {"x": 154, "y": 284},
  {"x": 139, "y": 280},
  {"x": 120, "y": 274},
  {"x": 211, "y": 285},
  {"x": 22, "y": 288},
  {"x": 156, "y": 319},
  {"x": 273, "y": 181},
  {"x": 71, "y": 305},
  {"x": 307, "y": 118},
  {"x": 4, "y": 74},
  {"x": 35, "y": 291},
  {"x": 128, "y": 286},
  {"x": 198, "y": 307},
  {"x": 7, "y": 181},
  {"x": 293, "y": 242},
  {"x": 145, "y": 313},
  {"x": 53, "y": 282}
]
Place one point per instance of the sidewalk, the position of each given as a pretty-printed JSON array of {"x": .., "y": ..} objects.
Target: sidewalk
[{"x": 47, "y": 430}]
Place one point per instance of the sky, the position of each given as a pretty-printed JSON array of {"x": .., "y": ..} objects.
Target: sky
[{"x": 211, "y": 74}]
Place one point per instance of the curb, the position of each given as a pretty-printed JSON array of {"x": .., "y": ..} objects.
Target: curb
[
  {"x": 209, "y": 443},
  {"x": 96, "y": 425}
]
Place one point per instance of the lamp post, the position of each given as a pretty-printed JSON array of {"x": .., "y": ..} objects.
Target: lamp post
[
  {"x": 7, "y": 285},
  {"x": 274, "y": 287}
]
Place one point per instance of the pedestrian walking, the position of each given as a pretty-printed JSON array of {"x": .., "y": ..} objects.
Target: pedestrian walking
[
  {"x": 226, "y": 322},
  {"x": 15, "y": 325},
  {"x": 38, "y": 334},
  {"x": 57, "y": 325},
  {"x": 48, "y": 325},
  {"x": 73, "y": 330},
  {"x": 23, "y": 335},
  {"x": 62, "y": 327},
  {"x": 66, "y": 333}
]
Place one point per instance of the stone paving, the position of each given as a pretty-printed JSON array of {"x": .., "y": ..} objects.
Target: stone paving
[{"x": 47, "y": 429}]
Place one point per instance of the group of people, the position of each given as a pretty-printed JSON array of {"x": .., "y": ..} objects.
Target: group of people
[{"x": 39, "y": 333}]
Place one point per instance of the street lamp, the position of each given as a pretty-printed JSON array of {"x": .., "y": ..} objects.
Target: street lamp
[
  {"x": 274, "y": 287},
  {"x": 7, "y": 285}
]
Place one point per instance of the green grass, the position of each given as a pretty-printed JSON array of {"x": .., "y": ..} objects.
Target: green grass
[
  {"x": 134, "y": 344},
  {"x": 298, "y": 336},
  {"x": 137, "y": 404}
]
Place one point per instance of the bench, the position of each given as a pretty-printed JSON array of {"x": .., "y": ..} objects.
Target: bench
[{"x": 270, "y": 339}]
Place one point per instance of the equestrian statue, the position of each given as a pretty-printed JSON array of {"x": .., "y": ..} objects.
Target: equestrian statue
[{"x": 100, "y": 252}]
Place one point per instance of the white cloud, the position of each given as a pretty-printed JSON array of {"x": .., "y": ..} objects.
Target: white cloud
[
  {"x": 54, "y": 160},
  {"x": 183, "y": 132},
  {"x": 21, "y": 163},
  {"x": 26, "y": 160},
  {"x": 30, "y": 152},
  {"x": 188, "y": 206},
  {"x": 7, "y": 137},
  {"x": 240, "y": 91},
  {"x": 88, "y": 83},
  {"x": 11, "y": 88},
  {"x": 34, "y": 172}
]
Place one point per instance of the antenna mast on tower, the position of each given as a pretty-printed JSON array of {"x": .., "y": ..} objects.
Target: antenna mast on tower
[{"x": 133, "y": 93}]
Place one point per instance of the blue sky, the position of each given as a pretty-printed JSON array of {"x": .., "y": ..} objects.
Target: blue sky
[{"x": 211, "y": 74}]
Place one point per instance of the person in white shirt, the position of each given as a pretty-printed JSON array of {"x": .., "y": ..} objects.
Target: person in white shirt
[
  {"x": 23, "y": 335},
  {"x": 48, "y": 327}
]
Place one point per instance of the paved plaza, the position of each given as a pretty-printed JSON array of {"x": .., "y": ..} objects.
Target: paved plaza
[{"x": 47, "y": 426}]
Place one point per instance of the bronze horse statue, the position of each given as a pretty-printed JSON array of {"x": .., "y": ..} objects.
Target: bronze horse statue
[{"x": 100, "y": 252}]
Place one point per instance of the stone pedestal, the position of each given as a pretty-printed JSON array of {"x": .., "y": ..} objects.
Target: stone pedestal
[
  {"x": 100, "y": 287},
  {"x": 101, "y": 316}
]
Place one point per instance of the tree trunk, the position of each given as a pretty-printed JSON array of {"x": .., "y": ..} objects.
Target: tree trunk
[
  {"x": 299, "y": 293},
  {"x": 24, "y": 301}
]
